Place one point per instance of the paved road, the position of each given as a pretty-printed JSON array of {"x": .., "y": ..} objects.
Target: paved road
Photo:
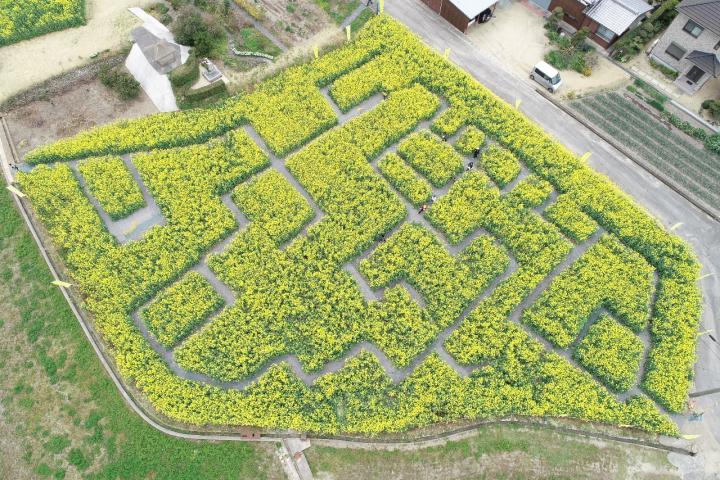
[{"x": 666, "y": 205}]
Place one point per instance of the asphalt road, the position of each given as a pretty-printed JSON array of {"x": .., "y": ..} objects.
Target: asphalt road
[{"x": 666, "y": 205}]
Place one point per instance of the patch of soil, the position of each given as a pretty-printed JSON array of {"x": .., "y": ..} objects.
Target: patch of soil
[
  {"x": 293, "y": 21},
  {"x": 86, "y": 104}
]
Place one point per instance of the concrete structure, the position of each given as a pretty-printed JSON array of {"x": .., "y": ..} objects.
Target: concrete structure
[
  {"x": 690, "y": 44},
  {"x": 463, "y": 13},
  {"x": 606, "y": 19},
  {"x": 152, "y": 57}
]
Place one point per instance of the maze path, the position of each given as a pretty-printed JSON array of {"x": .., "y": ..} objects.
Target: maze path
[
  {"x": 134, "y": 226},
  {"x": 397, "y": 375}
]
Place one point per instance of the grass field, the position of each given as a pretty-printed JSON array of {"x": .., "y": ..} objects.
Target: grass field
[
  {"x": 61, "y": 415},
  {"x": 495, "y": 453}
]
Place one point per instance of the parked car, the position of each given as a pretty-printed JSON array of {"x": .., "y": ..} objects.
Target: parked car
[{"x": 547, "y": 76}]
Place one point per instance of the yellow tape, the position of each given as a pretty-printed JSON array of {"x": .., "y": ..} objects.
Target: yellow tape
[
  {"x": 447, "y": 53},
  {"x": 348, "y": 32},
  {"x": 60, "y": 283},
  {"x": 690, "y": 437},
  {"x": 382, "y": 6},
  {"x": 316, "y": 50},
  {"x": 585, "y": 156}
]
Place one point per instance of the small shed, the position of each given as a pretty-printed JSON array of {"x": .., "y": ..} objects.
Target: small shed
[
  {"x": 463, "y": 13},
  {"x": 164, "y": 56}
]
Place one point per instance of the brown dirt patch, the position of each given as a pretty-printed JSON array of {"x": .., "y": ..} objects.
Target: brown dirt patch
[{"x": 86, "y": 104}]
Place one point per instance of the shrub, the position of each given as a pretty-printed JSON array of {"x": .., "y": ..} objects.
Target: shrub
[
  {"x": 110, "y": 181},
  {"x": 121, "y": 82},
  {"x": 176, "y": 311},
  {"x": 612, "y": 352},
  {"x": 402, "y": 177},
  {"x": 430, "y": 156},
  {"x": 500, "y": 165},
  {"x": 470, "y": 140},
  {"x": 190, "y": 28},
  {"x": 186, "y": 74}
]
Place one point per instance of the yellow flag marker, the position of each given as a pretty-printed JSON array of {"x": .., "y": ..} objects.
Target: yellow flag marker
[
  {"x": 60, "y": 283},
  {"x": 316, "y": 51},
  {"x": 517, "y": 103},
  {"x": 16, "y": 191},
  {"x": 382, "y": 6},
  {"x": 447, "y": 53},
  {"x": 690, "y": 437},
  {"x": 133, "y": 226},
  {"x": 706, "y": 275},
  {"x": 348, "y": 32},
  {"x": 585, "y": 156},
  {"x": 700, "y": 334},
  {"x": 676, "y": 226}
]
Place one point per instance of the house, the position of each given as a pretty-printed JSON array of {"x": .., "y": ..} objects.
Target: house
[
  {"x": 606, "y": 19},
  {"x": 690, "y": 44},
  {"x": 163, "y": 55},
  {"x": 463, "y": 13}
]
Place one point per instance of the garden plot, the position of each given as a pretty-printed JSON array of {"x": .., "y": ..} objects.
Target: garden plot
[
  {"x": 670, "y": 152},
  {"x": 296, "y": 284}
]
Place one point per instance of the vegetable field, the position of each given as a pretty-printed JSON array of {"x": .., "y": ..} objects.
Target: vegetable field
[
  {"x": 294, "y": 283},
  {"x": 669, "y": 151},
  {"x": 23, "y": 19}
]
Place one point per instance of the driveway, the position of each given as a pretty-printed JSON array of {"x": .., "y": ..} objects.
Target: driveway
[
  {"x": 670, "y": 208},
  {"x": 515, "y": 38}
]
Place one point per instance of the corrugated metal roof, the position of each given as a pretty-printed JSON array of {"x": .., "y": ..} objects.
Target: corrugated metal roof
[
  {"x": 706, "y": 13},
  {"x": 473, "y": 8},
  {"x": 617, "y": 15},
  {"x": 708, "y": 62}
]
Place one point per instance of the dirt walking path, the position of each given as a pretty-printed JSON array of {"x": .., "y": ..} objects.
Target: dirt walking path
[{"x": 27, "y": 63}]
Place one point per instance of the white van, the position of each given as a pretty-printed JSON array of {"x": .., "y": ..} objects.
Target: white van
[{"x": 547, "y": 76}]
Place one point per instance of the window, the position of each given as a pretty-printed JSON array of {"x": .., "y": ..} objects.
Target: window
[
  {"x": 695, "y": 74},
  {"x": 675, "y": 51},
  {"x": 605, "y": 33},
  {"x": 693, "y": 28}
]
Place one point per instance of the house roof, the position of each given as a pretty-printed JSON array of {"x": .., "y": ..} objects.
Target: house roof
[
  {"x": 706, "y": 13},
  {"x": 164, "y": 56},
  {"x": 708, "y": 62},
  {"x": 617, "y": 15},
  {"x": 473, "y": 8}
]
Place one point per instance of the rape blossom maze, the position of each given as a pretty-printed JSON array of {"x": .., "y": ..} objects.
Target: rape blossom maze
[{"x": 319, "y": 255}]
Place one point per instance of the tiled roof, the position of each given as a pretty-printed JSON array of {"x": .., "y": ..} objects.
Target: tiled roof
[
  {"x": 706, "y": 13},
  {"x": 708, "y": 62},
  {"x": 617, "y": 15}
]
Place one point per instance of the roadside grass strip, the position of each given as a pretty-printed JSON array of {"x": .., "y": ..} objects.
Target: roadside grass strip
[{"x": 375, "y": 317}]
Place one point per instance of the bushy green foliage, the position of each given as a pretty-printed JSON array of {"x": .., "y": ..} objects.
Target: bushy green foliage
[
  {"x": 299, "y": 299},
  {"x": 470, "y": 140},
  {"x": 608, "y": 274},
  {"x": 530, "y": 192},
  {"x": 121, "y": 82},
  {"x": 110, "y": 181},
  {"x": 432, "y": 157},
  {"x": 273, "y": 204},
  {"x": 402, "y": 177},
  {"x": 176, "y": 311},
  {"x": 23, "y": 19},
  {"x": 500, "y": 165},
  {"x": 612, "y": 352},
  {"x": 569, "y": 218}
]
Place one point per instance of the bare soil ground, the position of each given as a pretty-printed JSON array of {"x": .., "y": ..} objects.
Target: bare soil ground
[
  {"x": 84, "y": 105},
  {"x": 293, "y": 21},
  {"x": 30, "y": 62}
]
